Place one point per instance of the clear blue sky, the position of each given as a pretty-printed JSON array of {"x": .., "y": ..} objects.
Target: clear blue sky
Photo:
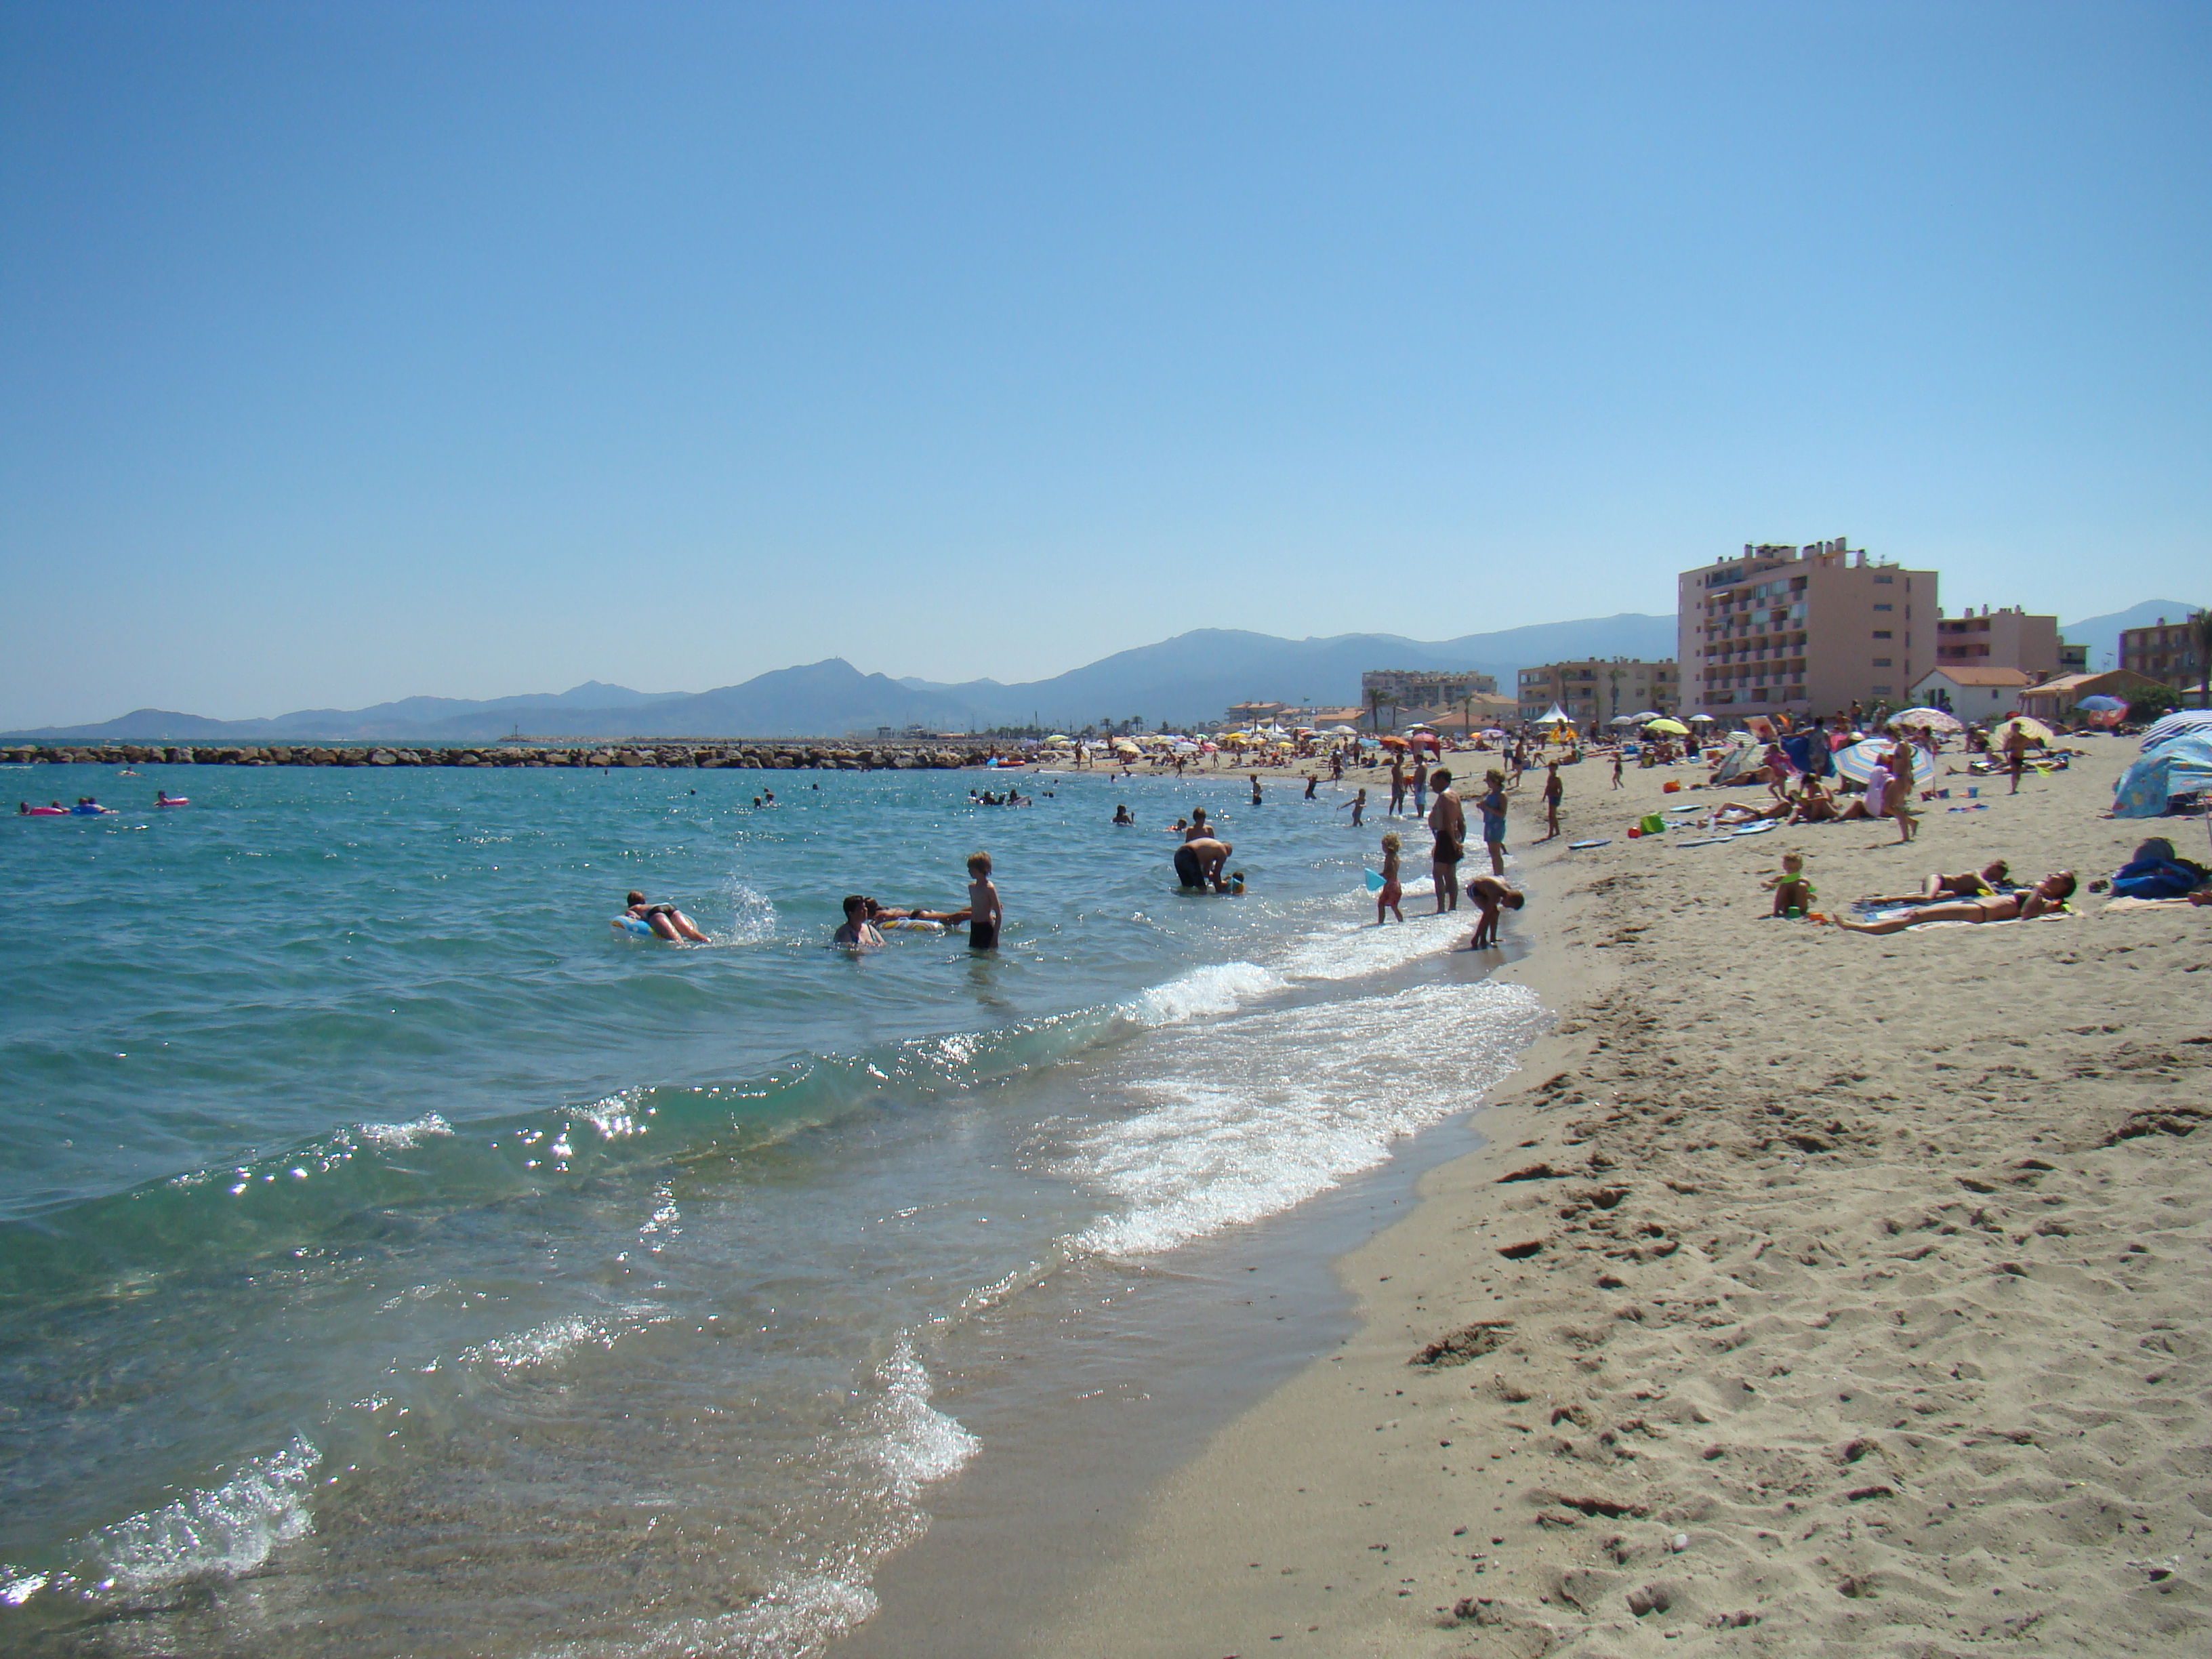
[{"x": 358, "y": 350}]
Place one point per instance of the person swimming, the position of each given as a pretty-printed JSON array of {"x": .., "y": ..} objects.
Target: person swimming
[{"x": 665, "y": 919}]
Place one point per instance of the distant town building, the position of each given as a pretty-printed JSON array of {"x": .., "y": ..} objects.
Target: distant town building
[
  {"x": 1971, "y": 694},
  {"x": 1257, "y": 714},
  {"x": 1999, "y": 638},
  {"x": 1595, "y": 691},
  {"x": 1477, "y": 711},
  {"x": 2166, "y": 651},
  {"x": 2073, "y": 659},
  {"x": 1803, "y": 630},
  {"x": 1422, "y": 687}
]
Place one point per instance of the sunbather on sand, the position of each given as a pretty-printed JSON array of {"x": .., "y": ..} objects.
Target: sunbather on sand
[
  {"x": 2046, "y": 896},
  {"x": 1815, "y": 804},
  {"x": 1968, "y": 884},
  {"x": 1735, "y": 811}
]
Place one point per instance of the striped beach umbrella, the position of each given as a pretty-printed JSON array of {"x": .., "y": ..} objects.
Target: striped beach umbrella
[{"x": 1858, "y": 761}]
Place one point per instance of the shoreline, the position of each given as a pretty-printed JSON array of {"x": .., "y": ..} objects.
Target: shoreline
[{"x": 1865, "y": 1271}]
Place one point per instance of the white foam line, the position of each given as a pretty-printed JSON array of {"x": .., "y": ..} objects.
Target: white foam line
[
  {"x": 229, "y": 1530},
  {"x": 1253, "y": 1115}
]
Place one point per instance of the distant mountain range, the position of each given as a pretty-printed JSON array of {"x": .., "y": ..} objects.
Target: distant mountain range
[{"x": 1190, "y": 678}]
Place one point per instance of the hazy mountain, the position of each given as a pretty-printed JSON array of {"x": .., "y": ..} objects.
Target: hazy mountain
[
  {"x": 1190, "y": 678},
  {"x": 2102, "y": 633},
  {"x": 1195, "y": 676}
]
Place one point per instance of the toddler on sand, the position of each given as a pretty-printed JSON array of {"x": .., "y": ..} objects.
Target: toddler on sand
[
  {"x": 1790, "y": 888},
  {"x": 1390, "y": 893}
]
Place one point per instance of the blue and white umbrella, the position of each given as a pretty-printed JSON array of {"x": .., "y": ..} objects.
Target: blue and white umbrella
[
  {"x": 2101, "y": 704},
  {"x": 1858, "y": 761},
  {"x": 2172, "y": 725}
]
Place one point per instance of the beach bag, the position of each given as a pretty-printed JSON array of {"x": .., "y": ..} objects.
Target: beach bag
[
  {"x": 1652, "y": 824},
  {"x": 2156, "y": 877}
]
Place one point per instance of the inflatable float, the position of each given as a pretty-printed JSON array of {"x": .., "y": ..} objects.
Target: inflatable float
[
  {"x": 47, "y": 812},
  {"x": 638, "y": 927}
]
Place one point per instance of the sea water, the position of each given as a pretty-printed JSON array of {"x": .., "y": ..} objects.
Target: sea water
[{"x": 395, "y": 1259}]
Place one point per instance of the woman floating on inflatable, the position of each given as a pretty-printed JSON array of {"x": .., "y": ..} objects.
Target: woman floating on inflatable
[
  {"x": 24, "y": 810},
  {"x": 657, "y": 921},
  {"x": 163, "y": 798}
]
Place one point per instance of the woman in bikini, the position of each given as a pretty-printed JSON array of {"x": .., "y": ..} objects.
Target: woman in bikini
[{"x": 2047, "y": 895}]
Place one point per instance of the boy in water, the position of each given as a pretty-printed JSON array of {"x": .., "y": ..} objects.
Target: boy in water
[
  {"x": 983, "y": 913},
  {"x": 857, "y": 933},
  {"x": 1390, "y": 892}
]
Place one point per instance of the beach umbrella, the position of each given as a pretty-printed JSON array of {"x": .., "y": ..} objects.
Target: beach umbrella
[
  {"x": 2170, "y": 726},
  {"x": 1857, "y": 761},
  {"x": 1667, "y": 728},
  {"x": 2033, "y": 729},
  {"x": 1342, "y": 732},
  {"x": 1393, "y": 742},
  {"x": 2180, "y": 766},
  {"x": 1643, "y": 714},
  {"x": 1702, "y": 719},
  {"x": 2101, "y": 704},
  {"x": 1494, "y": 732},
  {"x": 1929, "y": 720},
  {"x": 1622, "y": 720}
]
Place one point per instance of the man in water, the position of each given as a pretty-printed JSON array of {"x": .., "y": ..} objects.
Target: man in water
[
  {"x": 857, "y": 933},
  {"x": 1447, "y": 824},
  {"x": 1198, "y": 863}
]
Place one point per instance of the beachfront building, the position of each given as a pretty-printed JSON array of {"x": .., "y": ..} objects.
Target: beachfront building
[
  {"x": 1595, "y": 691},
  {"x": 2055, "y": 700},
  {"x": 1803, "y": 630},
  {"x": 1241, "y": 714},
  {"x": 2168, "y": 651},
  {"x": 1999, "y": 638},
  {"x": 1971, "y": 694}
]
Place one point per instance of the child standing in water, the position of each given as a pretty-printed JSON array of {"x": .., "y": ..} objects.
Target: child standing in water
[
  {"x": 983, "y": 913},
  {"x": 1391, "y": 892},
  {"x": 1359, "y": 806}
]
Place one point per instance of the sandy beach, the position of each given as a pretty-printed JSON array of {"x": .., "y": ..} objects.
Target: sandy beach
[{"x": 1813, "y": 1292}]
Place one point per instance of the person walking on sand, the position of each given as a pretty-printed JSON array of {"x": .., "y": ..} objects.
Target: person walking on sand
[
  {"x": 984, "y": 916},
  {"x": 1616, "y": 768},
  {"x": 1554, "y": 792},
  {"x": 1493, "y": 805},
  {"x": 2016, "y": 755},
  {"x": 1447, "y": 824},
  {"x": 1390, "y": 892}
]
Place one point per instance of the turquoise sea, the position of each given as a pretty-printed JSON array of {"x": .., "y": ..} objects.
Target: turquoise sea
[{"x": 395, "y": 1260}]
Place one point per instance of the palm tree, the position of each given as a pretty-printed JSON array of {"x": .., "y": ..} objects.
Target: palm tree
[{"x": 2200, "y": 636}]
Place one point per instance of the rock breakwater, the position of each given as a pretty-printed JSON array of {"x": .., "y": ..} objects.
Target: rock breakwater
[{"x": 762, "y": 756}]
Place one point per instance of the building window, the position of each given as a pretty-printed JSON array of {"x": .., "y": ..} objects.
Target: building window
[
  {"x": 1883, "y": 633},
  {"x": 1882, "y": 662},
  {"x": 1885, "y": 607},
  {"x": 1885, "y": 579}
]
